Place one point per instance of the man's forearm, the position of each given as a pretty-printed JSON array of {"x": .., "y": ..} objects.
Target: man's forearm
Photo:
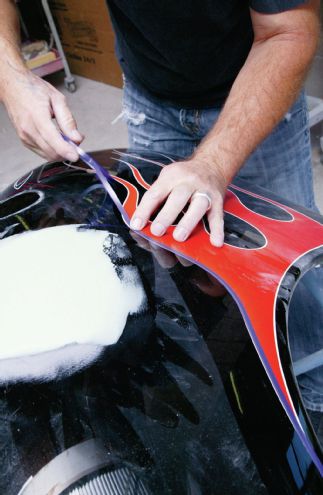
[
  {"x": 11, "y": 62},
  {"x": 267, "y": 85}
]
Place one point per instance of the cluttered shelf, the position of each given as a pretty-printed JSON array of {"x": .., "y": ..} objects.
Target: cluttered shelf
[{"x": 41, "y": 58}]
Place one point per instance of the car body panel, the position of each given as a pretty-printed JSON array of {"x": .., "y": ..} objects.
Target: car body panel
[{"x": 192, "y": 391}]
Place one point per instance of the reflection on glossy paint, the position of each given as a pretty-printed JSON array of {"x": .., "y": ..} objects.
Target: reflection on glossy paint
[
  {"x": 244, "y": 279},
  {"x": 162, "y": 399},
  {"x": 305, "y": 332},
  {"x": 261, "y": 206},
  {"x": 240, "y": 234},
  {"x": 19, "y": 203}
]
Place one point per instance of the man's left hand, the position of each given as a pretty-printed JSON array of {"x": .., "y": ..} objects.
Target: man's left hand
[{"x": 176, "y": 187}]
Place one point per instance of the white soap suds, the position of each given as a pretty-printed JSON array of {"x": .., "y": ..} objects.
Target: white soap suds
[
  {"x": 46, "y": 366},
  {"x": 60, "y": 290}
]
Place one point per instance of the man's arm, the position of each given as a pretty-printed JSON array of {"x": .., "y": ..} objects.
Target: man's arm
[
  {"x": 272, "y": 76},
  {"x": 31, "y": 102}
]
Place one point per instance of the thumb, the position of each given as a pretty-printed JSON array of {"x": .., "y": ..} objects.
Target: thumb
[{"x": 65, "y": 119}]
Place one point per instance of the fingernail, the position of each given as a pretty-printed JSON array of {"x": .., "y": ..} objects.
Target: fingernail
[
  {"x": 217, "y": 241},
  {"x": 180, "y": 234},
  {"x": 72, "y": 157},
  {"x": 157, "y": 229},
  {"x": 136, "y": 223}
]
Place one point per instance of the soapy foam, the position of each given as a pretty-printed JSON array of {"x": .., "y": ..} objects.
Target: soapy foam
[
  {"x": 60, "y": 290},
  {"x": 50, "y": 365}
]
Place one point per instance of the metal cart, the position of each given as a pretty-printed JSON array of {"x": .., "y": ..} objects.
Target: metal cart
[{"x": 60, "y": 63}]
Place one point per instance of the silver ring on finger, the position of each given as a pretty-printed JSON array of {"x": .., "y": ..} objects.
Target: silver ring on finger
[{"x": 205, "y": 195}]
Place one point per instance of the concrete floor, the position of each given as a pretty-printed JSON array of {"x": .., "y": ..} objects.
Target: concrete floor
[{"x": 95, "y": 105}]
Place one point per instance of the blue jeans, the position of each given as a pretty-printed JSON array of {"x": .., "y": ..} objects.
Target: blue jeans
[{"x": 282, "y": 163}]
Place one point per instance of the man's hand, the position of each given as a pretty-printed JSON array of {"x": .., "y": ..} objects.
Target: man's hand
[
  {"x": 32, "y": 103},
  {"x": 268, "y": 83},
  {"x": 176, "y": 185}
]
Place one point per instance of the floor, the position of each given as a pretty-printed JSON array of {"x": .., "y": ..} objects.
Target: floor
[{"x": 95, "y": 105}]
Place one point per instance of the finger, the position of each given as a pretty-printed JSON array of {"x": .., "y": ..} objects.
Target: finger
[
  {"x": 149, "y": 203},
  {"x": 216, "y": 224},
  {"x": 51, "y": 135},
  {"x": 27, "y": 134},
  {"x": 184, "y": 261},
  {"x": 141, "y": 241},
  {"x": 195, "y": 212},
  {"x": 64, "y": 118},
  {"x": 175, "y": 203},
  {"x": 163, "y": 257},
  {"x": 37, "y": 151},
  {"x": 42, "y": 148},
  {"x": 53, "y": 138},
  {"x": 28, "y": 138}
]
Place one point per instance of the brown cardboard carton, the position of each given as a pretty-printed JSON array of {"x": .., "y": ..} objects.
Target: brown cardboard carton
[{"x": 88, "y": 39}]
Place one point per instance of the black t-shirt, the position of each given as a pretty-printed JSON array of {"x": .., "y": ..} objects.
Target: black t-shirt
[{"x": 186, "y": 52}]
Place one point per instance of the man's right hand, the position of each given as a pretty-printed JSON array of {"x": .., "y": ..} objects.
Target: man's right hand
[{"x": 32, "y": 104}]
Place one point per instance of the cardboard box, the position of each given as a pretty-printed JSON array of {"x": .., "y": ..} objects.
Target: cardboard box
[{"x": 88, "y": 39}]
